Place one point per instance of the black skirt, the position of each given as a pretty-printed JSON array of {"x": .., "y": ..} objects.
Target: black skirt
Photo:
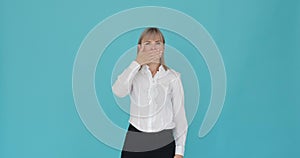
[{"x": 139, "y": 144}]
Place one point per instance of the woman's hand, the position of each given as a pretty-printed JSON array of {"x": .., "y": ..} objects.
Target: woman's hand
[
  {"x": 178, "y": 156},
  {"x": 145, "y": 57}
]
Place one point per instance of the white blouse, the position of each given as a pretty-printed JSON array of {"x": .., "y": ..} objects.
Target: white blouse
[{"x": 156, "y": 103}]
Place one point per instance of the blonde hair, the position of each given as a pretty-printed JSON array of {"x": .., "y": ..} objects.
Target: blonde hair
[{"x": 152, "y": 32}]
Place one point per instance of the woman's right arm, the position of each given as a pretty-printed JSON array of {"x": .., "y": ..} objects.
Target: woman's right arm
[{"x": 123, "y": 84}]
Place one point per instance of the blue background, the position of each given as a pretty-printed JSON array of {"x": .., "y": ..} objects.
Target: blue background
[{"x": 259, "y": 42}]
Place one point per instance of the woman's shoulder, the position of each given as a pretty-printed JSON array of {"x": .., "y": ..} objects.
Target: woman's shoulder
[{"x": 173, "y": 74}]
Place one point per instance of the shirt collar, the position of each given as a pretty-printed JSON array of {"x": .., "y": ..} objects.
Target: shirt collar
[{"x": 146, "y": 68}]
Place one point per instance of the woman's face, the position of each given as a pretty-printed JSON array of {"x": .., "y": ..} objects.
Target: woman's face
[{"x": 155, "y": 43}]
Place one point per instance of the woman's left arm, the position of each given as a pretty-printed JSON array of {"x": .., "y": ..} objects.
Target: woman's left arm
[{"x": 181, "y": 125}]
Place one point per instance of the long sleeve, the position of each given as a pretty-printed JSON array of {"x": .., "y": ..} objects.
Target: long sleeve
[
  {"x": 122, "y": 85},
  {"x": 181, "y": 125}
]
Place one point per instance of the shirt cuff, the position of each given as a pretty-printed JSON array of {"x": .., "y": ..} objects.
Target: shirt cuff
[
  {"x": 134, "y": 64},
  {"x": 179, "y": 150}
]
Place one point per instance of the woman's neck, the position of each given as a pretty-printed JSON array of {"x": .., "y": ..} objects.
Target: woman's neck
[{"x": 153, "y": 68}]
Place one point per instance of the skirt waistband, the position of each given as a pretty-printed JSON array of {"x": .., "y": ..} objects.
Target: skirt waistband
[{"x": 134, "y": 129}]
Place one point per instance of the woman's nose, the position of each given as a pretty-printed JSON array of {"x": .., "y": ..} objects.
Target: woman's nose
[{"x": 152, "y": 46}]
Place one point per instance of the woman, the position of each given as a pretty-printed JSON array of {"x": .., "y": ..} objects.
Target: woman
[{"x": 158, "y": 125}]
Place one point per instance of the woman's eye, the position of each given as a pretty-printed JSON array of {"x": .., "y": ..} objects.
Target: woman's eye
[
  {"x": 158, "y": 43},
  {"x": 146, "y": 43}
]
